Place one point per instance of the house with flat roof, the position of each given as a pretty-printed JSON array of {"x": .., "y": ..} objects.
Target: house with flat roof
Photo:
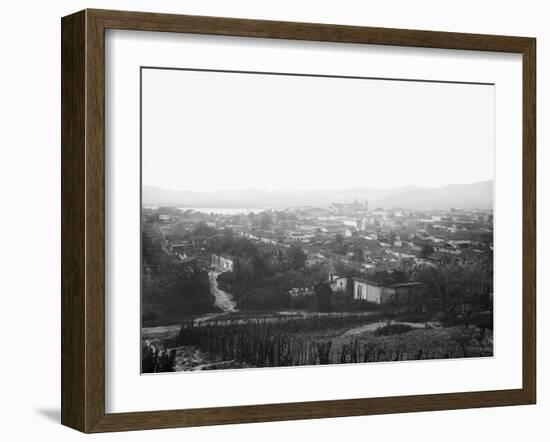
[{"x": 377, "y": 293}]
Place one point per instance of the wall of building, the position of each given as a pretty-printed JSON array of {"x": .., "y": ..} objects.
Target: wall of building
[
  {"x": 367, "y": 292},
  {"x": 223, "y": 263}
]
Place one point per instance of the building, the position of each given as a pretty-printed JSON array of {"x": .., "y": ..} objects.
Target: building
[
  {"x": 180, "y": 247},
  {"x": 382, "y": 294},
  {"x": 314, "y": 259},
  {"x": 270, "y": 241},
  {"x": 340, "y": 284},
  {"x": 349, "y": 231},
  {"x": 199, "y": 241},
  {"x": 368, "y": 291},
  {"x": 333, "y": 228},
  {"x": 300, "y": 237},
  {"x": 367, "y": 222},
  {"x": 301, "y": 291},
  {"x": 248, "y": 235},
  {"x": 222, "y": 262}
]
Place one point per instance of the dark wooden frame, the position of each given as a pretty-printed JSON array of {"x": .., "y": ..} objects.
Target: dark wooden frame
[{"x": 83, "y": 217}]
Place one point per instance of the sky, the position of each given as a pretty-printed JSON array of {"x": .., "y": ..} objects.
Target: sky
[{"x": 211, "y": 131}]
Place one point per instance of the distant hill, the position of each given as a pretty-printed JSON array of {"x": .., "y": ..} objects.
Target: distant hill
[{"x": 470, "y": 196}]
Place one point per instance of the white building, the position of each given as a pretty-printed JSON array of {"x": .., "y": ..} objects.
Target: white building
[
  {"x": 222, "y": 262},
  {"x": 379, "y": 294}
]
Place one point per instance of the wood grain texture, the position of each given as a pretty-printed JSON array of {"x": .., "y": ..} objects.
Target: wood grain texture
[
  {"x": 145, "y": 21},
  {"x": 529, "y": 221},
  {"x": 95, "y": 222},
  {"x": 73, "y": 255},
  {"x": 83, "y": 220}
]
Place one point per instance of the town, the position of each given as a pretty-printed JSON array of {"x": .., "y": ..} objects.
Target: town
[{"x": 397, "y": 269}]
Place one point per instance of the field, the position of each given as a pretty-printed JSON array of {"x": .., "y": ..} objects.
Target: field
[{"x": 294, "y": 340}]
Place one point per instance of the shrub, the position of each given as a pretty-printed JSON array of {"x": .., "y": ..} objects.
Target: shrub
[
  {"x": 393, "y": 329},
  {"x": 483, "y": 320},
  {"x": 414, "y": 317}
]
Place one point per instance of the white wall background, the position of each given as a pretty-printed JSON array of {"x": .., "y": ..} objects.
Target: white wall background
[{"x": 30, "y": 221}]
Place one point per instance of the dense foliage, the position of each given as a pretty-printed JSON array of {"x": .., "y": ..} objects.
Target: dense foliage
[{"x": 171, "y": 289}]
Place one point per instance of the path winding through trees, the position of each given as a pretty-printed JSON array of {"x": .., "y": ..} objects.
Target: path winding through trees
[{"x": 224, "y": 300}]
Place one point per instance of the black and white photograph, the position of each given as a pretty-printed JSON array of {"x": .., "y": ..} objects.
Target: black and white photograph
[
  {"x": 268, "y": 221},
  {"x": 304, "y": 219}
]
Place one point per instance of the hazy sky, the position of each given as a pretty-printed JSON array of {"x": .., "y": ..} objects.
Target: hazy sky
[{"x": 228, "y": 131}]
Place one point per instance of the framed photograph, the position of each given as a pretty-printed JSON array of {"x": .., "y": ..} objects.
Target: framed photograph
[{"x": 269, "y": 220}]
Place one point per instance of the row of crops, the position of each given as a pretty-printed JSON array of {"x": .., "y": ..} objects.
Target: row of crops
[{"x": 293, "y": 342}]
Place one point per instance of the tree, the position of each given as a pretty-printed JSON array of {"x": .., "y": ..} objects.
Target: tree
[
  {"x": 407, "y": 265},
  {"x": 474, "y": 291},
  {"x": 297, "y": 257},
  {"x": 459, "y": 292},
  {"x": 324, "y": 297},
  {"x": 359, "y": 254},
  {"x": 426, "y": 251},
  {"x": 227, "y": 240},
  {"x": 202, "y": 229},
  {"x": 265, "y": 221},
  {"x": 260, "y": 266},
  {"x": 389, "y": 277},
  {"x": 168, "y": 211},
  {"x": 178, "y": 232}
]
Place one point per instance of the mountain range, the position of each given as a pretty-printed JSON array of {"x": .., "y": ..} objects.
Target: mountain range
[{"x": 477, "y": 195}]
